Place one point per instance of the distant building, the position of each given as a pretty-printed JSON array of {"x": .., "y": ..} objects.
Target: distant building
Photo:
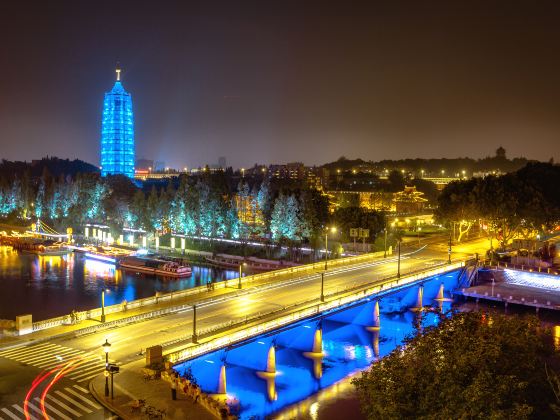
[
  {"x": 117, "y": 132},
  {"x": 144, "y": 165},
  {"x": 409, "y": 201},
  {"x": 222, "y": 162},
  {"x": 159, "y": 166}
]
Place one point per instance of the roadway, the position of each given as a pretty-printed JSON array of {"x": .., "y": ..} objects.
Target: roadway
[{"x": 127, "y": 341}]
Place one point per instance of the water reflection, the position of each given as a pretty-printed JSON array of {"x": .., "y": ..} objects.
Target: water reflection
[{"x": 48, "y": 286}]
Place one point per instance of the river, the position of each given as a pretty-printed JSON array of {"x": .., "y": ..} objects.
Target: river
[{"x": 49, "y": 286}]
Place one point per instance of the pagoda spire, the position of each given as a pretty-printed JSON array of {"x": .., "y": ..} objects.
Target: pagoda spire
[{"x": 118, "y": 70}]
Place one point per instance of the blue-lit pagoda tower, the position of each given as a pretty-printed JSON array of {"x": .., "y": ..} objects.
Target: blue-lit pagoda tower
[{"x": 117, "y": 132}]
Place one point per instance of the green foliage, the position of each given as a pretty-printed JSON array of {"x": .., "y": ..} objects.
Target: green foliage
[
  {"x": 470, "y": 366},
  {"x": 508, "y": 204},
  {"x": 357, "y": 217}
]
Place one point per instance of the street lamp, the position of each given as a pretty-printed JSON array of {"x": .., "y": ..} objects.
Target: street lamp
[
  {"x": 103, "y": 304},
  {"x": 333, "y": 230},
  {"x": 449, "y": 249},
  {"x": 399, "y": 259},
  {"x": 385, "y": 243},
  {"x": 322, "y": 286},
  {"x": 240, "y": 273},
  {"x": 106, "y": 347}
]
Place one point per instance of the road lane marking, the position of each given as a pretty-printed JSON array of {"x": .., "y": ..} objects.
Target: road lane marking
[
  {"x": 73, "y": 401},
  {"x": 88, "y": 378},
  {"x": 33, "y": 407},
  {"x": 54, "y": 410},
  {"x": 85, "y": 391},
  {"x": 60, "y": 403},
  {"x": 84, "y": 372},
  {"x": 65, "y": 355},
  {"x": 24, "y": 350},
  {"x": 37, "y": 356},
  {"x": 18, "y": 408},
  {"x": 87, "y": 400},
  {"x": 9, "y": 413}
]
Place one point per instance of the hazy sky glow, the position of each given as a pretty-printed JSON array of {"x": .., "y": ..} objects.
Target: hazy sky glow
[{"x": 258, "y": 82}]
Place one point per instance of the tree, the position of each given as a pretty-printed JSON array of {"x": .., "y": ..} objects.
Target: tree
[
  {"x": 470, "y": 366},
  {"x": 357, "y": 217},
  {"x": 457, "y": 204},
  {"x": 396, "y": 181}
]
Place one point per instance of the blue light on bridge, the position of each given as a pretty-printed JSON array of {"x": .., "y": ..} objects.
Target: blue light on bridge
[{"x": 348, "y": 347}]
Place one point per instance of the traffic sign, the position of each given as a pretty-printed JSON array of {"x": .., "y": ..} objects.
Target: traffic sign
[
  {"x": 354, "y": 233},
  {"x": 364, "y": 233}
]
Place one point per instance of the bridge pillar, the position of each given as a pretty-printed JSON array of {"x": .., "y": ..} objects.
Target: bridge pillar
[
  {"x": 271, "y": 393},
  {"x": 317, "y": 347},
  {"x": 270, "y": 371},
  {"x": 375, "y": 343},
  {"x": 441, "y": 296},
  {"x": 419, "y": 300},
  {"x": 222, "y": 380},
  {"x": 376, "y": 319}
]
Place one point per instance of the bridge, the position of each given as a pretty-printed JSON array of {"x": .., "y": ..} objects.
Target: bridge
[{"x": 199, "y": 321}]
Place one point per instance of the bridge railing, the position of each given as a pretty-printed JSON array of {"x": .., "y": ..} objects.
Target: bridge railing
[
  {"x": 522, "y": 267},
  {"x": 359, "y": 293},
  {"x": 200, "y": 290}
]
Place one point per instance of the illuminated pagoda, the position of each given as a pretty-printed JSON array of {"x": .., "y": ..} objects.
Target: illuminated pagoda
[{"x": 117, "y": 132}]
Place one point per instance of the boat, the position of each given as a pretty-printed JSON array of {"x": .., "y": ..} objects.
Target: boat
[
  {"x": 32, "y": 245},
  {"x": 101, "y": 253},
  {"x": 251, "y": 263},
  {"x": 155, "y": 266}
]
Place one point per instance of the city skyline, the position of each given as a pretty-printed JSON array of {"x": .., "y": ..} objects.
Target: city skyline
[{"x": 270, "y": 84}]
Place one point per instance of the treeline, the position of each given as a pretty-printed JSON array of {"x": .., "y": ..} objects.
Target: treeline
[
  {"x": 521, "y": 203},
  {"x": 52, "y": 165},
  {"x": 434, "y": 166},
  {"x": 205, "y": 205}
]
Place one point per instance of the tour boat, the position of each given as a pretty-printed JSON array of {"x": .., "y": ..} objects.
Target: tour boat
[
  {"x": 31, "y": 245},
  {"x": 100, "y": 253},
  {"x": 155, "y": 266},
  {"x": 251, "y": 263}
]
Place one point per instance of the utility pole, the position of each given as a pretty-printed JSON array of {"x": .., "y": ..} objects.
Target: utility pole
[
  {"x": 385, "y": 245},
  {"x": 399, "y": 259},
  {"x": 322, "y": 286},
  {"x": 449, "y": 250},
  {"x": 194, "y": 336}
]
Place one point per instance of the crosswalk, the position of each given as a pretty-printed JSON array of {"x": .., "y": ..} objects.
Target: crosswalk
[
  {"x": 64, "y": 404},
  {"x": 49, "y": 355}
]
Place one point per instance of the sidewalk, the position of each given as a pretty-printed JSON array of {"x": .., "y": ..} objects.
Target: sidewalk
[{"x": 129, "y": 385}]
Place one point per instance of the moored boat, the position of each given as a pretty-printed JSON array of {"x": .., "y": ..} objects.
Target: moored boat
[
  {"x": 155, "y": 266},
  {"x": 251, "y": 263},
  {"x": 101, "y": 253}
]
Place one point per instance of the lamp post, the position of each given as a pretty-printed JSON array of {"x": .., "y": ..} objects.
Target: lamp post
[
  {"x": 240, "y": 274},
  {"x": 322, "y": 286},
  {"x": 385, "y": 243},
  {"x": 106, "y": 347},
  {"x": 333, "y": 230},
  {"x": 103, "y": 305},
  {"x": 194, "y": 335},
  {"x": 399, "y": 259},
  {"x": 449, "y": 250}
]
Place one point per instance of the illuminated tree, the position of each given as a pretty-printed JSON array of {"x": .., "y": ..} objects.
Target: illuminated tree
[{"x": 457, "y": 204}]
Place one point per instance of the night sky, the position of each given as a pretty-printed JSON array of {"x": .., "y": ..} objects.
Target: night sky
[{"x": 286, "y": 81}]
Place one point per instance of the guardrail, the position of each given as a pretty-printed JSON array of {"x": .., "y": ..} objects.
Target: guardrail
[
  {"x": 521, "y": 267},
  {"x": 252, "y": 331},
  {"x": 169, "y": 297}
]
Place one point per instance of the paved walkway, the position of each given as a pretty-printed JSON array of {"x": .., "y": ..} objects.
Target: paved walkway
[{"x": 129, "y": 385}]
